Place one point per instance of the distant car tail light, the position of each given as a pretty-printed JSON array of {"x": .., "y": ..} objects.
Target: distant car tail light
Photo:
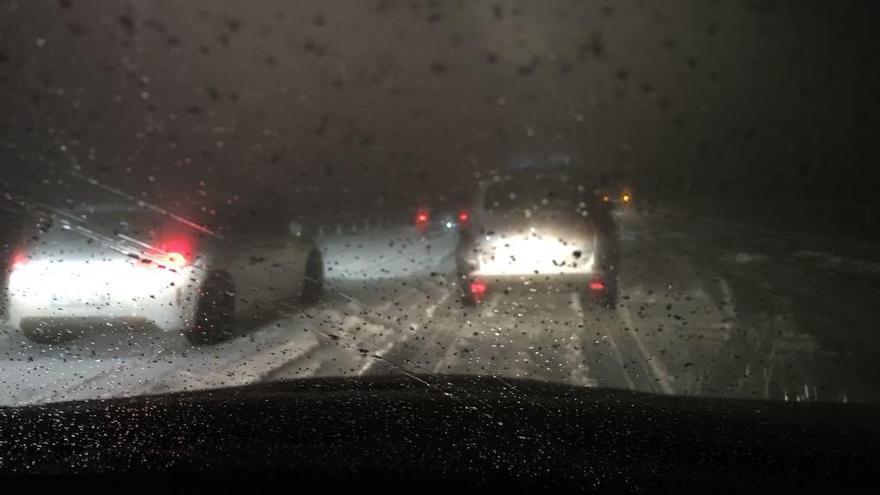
[
  {"x": 597, "y": 285},
  {"x": 422, "y": 218},
  {"x": 464, "y": 217},
  {"x": 478, "y": 289}
]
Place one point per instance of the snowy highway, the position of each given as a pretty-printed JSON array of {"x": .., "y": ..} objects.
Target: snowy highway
[{"x": 703, "y": 310}]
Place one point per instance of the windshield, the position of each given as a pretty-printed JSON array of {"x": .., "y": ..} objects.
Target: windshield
[
  {"x": 536, "y": 193},
  {"x": 205, "y": 194}
]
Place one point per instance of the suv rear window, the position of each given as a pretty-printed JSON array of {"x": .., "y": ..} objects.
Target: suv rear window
[{"x": 537, "y": 193}]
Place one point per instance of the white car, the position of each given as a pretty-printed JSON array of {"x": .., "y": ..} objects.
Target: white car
[
  {"x": 105, "y": 265},
  {"x": 537, "y": 231}
]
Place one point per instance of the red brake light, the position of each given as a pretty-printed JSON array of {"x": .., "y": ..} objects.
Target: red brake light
[
  {"x": 597, "y": 285},
  {"x": 463, "y": 216},
  {"x": 478, "y": 289},
  {"x": 422, "y": 216},
  {"x": 174, "y": 253}
]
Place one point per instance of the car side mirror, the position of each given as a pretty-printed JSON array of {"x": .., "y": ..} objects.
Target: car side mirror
[{"x": 296, "y": 229}]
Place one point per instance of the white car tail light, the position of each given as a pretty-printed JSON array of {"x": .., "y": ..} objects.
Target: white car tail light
[
  {"x": 173, "y": 254},
  {"x": 19, "y": 260}
]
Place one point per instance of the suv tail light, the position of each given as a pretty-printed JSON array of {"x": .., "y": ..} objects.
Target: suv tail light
[
  {"x": 423, "y": 216},
  {"x": 18, "y": 261},
  {"x": 478, "y": 289}
]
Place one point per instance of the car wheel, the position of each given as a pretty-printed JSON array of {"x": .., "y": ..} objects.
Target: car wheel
[
  {"x": 214, "y": 311},
  {"x": 313, "y": 285},
  {"x": 608, "y": 299},
  {"x": 468, "y": 300}
]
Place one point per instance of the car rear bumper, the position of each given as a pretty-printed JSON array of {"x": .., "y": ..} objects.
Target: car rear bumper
[
  {"x": 162, "y": 312},
  {"x": 561, "y": 283},
  {"x": 170, "y": 307},
  {"x": 165, "y": 299},
  {"x": 59, "y": 328}
]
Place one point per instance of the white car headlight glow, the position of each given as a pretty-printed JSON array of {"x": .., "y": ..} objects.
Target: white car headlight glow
[
  {"x": 533, "y": 255},
  {"x": 46, "y": 284}
]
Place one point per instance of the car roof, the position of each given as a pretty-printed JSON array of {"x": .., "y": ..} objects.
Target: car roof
[
  {"x": 540, "y": 161},
  {"x": 107, "y": 208},
  {"x": 532, "y": 175}
]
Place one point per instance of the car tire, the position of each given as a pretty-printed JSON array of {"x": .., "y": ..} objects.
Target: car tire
[
  {"x": 468, "y": 300},
  {"x": 605, "y": 300},
  {"x": 215, "y": 310},
  {"x": 313, "y": 284},
  {"x": 609, "y": 298}
]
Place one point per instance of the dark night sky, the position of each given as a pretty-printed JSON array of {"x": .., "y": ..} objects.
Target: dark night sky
[{"x": 213, "y": 99}]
